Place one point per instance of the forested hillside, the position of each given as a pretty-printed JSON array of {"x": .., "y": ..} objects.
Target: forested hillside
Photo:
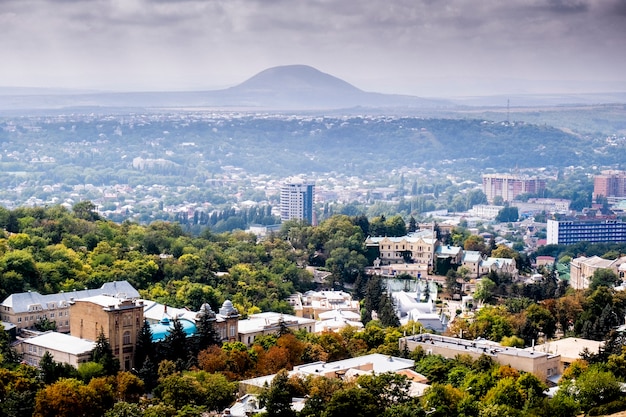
[{"x": 53, "y": 249}]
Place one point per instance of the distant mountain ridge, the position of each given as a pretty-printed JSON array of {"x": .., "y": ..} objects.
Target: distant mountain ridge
[{"x": 290, "y": 87}]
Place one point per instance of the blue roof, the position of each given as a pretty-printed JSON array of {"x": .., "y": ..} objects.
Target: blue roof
[{"x": 162, "y": 328}]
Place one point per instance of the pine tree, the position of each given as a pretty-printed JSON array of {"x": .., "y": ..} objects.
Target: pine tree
[
  {"x": 277, "y": 397},
  {"x": 145, "y": 346},
  {"x": 387, "y": 312},
  {"x": 373, "y": 294},
  {"x": 206, "y": 335},
  {"x": 103, "y": 354},
  {"x": 175, "y": 343}
]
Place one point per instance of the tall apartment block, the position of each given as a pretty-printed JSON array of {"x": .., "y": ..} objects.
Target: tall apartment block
[
  {"x": 566, "y": 232},
  {"x": 509, "y": 186},
  {"x": 296, "y": 200},
  {"x": 609, "y": 184}
]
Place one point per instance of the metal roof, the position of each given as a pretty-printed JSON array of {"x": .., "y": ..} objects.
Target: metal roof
[{"x": 20, "y": 302}]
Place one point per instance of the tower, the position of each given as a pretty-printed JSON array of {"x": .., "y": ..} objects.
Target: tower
[{"x": 296, "y": 200}]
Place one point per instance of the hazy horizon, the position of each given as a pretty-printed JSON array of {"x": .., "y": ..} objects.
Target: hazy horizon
[{"x": 422, "y": 48}]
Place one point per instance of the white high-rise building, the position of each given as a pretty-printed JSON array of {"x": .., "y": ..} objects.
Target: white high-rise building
[{"x": 296, "y": 200}]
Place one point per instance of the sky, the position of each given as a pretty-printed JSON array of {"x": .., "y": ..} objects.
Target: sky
[{"x": 429, "y": 48}]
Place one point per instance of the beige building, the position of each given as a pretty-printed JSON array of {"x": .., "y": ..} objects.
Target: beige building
[
  {"x": 542, "y": 364},
  {"x": 120, "y": 319},
  {"x": 63, "y": 348},
  {"x": 582, "y": 269},
  {"x": 312, "y": 303},
  {"x": 417, "y": 247}
]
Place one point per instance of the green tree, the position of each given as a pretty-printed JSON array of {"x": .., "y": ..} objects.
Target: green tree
[
  {"x": 103, "y": 354},
  {"x": 277, "y": 397},
  {"x": 387, "y": 312},
  {"x": 603, "y": 277}
]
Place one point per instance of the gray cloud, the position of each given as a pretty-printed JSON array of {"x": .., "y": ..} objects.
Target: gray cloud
[{"x": 387, "y": 45}]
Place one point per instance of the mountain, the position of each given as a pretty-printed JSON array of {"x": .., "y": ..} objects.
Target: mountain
[
  {"x": 291, "y": 87},
  {"x": 304, "y": 87}
]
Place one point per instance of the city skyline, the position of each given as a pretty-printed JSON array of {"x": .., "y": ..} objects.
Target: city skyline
[{"x": 420, "y": 48}]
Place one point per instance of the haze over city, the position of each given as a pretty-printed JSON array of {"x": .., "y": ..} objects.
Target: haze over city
[{"x": 420, "y": 47}]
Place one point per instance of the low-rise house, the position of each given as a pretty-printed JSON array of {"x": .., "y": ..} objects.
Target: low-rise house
[{"x": 500, "y": 266}]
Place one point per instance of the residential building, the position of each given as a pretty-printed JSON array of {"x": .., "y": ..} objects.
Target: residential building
[
  {"x": 26, "y": 308},
  {"x": 537, "y": 205},
  {"x": 262, "y": 324},
  {"x": 313, "y": 303},
  {"x": 582, "y": 269},
  {"x": 609, "y": 183},
  {"x": 296, "y": 200},
  {"x": 485, "y": 211},
  {"x": 542, "y": 364},
  {"x": 499, "y": 266},
  {"x": 509, "y": 186},
  {"x": 63, "y": 348},
  {"x": 566, "y": 232},
  {"x": 472, "y": 260},
  {"x": 119, "y": 319},
  {"x": 416, "y": 248}
]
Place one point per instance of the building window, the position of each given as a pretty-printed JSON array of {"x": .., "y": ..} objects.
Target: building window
[
  {"x": 127, "y": 320},
  {"x": 126, "y": 338},
  {"x": 232, "y": 330}
]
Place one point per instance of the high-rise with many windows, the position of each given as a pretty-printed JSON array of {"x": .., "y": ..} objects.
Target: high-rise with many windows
[
  {"x": 296, "y": 200},
  {"x": 567, "y": 232},
  {"x": 609, "y": 184},
  {"x": 510, "y": 186}
]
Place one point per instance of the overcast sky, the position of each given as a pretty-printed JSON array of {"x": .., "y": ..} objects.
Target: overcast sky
[{"x": 420, "y": 47}]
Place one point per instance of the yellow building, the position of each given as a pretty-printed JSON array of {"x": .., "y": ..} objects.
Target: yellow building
[{"x": 120, "y": 319}]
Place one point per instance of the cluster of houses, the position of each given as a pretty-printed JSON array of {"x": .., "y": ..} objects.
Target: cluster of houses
[{"x": 418, "y": 253}]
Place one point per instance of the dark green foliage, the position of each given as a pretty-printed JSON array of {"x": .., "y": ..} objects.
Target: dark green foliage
[
  {"x": 507, "y": 214},
  {"x": 277, "y": 397},
  {"x": 51, "y": 371},
  {"x": 373, "y": 296},
  {"x": 145, "y": 346},
  {"x": 174, "y": 346},
  {"x": 103, "y": 355},
  {"x": 387, "y": 312}
]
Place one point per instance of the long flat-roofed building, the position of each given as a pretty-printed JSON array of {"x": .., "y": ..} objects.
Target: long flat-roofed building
[
  {"x": 63, "y": 348},
  {"x": 542, "y": 364},
  {"x": 567, "y": 232}
]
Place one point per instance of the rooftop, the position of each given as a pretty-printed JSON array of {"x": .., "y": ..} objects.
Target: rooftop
[
  {"x": 62, "y": 342},
  {"x": 20, "y": 302}
]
